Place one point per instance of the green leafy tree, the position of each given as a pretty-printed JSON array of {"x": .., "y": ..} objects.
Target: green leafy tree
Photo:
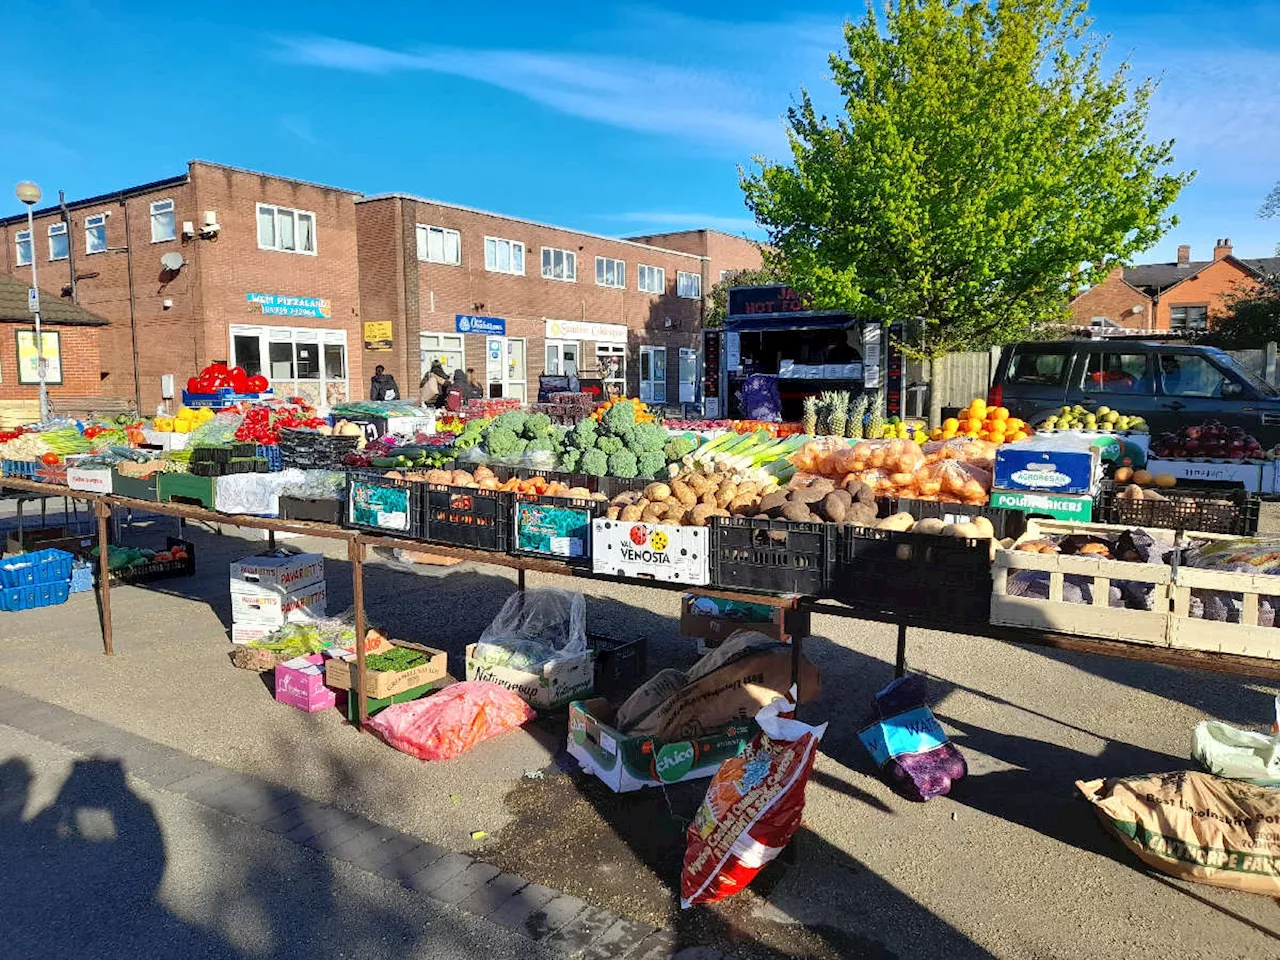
[
  {"x": 1250, "y": 318},
  {"x": 718, "y": 301},
  {"x": 985, "y": 167}
]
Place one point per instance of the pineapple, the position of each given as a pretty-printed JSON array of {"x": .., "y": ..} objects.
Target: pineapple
[
  {"x": 857, "y": 418},
  {"x": 839, "y": 413},
  {"x": 810, "y": 420},
  {"x": 826, "y": 401},
  {"x": 875, "y": 426}
]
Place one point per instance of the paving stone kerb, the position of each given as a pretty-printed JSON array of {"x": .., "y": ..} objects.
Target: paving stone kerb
[{"x": 563, "y": 923}]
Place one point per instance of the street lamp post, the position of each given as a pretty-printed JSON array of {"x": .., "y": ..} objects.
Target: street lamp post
[{"x": 30, "y": 194}]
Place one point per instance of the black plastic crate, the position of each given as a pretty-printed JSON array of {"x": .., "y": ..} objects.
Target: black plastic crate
[
  {"x": 772, "y": 556},
  {"x": 1209, "y": 508},
  {"x": 160, "y": 569},
  {"x": 211, "y": 454},
  {"x": 612, "y": 486},
  {"x": 535, "y": 520},
  {"x": 467, "y": 516},
  {"x": 308, "y": 450},
  {"x": 320, "y": 511},
  {"x": 384, "y": 505},
  {"x": 619, "y": 663},
  {"x": 1007, "y": 523},
  {"x": 917, "y": 574}
]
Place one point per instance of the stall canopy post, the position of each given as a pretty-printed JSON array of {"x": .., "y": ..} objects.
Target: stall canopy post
[
  {"x": 103, "y": 512},
  {"x": 900, "y": 668},
  {"x": 355, "y": 553}
]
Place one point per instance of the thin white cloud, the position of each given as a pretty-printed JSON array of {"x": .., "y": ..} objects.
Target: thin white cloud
[
  {"x": 300, "y": 127},
  {"x": 687, "y": 221},
  {"x": 682, "y": 101}
]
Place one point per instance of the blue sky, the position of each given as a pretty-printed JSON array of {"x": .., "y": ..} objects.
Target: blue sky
[{"x": 609, "y": 117}]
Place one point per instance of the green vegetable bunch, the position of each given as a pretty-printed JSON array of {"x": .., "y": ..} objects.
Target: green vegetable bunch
[
  {"x": 615, "y": 445},
  {"x": 395, "y": 660}
]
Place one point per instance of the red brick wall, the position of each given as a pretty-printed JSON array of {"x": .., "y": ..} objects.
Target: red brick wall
[
  {"x": 1209, "y": 288},
  {"x": 80, "y": 363},
  {"x": 1115, "y": 300}
]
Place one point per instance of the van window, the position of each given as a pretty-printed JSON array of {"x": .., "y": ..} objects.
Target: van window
[
  {"x": 1187, "y": 375},
  {"x": 1038, "y": 369},
  {"x": 1117, "y": 373}
]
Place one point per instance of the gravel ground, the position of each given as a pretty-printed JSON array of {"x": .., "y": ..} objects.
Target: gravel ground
[{"x": 1012, "y": 865}]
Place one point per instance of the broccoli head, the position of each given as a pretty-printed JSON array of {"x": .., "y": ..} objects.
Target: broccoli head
[
  {"x": 595, "y": 463},
  {"x": 501, "y": 441},
  {"x": 537, "y": 425},
  {"x": 648, "y": 437},
  {"x": 619, "y": 416},
  {"x": 679, "y": 447},
  {"x": 513, "y": 420},
  {"x": 651, "y": 464},
  {"x": 623, "y": 464},
  {"x": 542, "y": 445},
  {"x": 569, "y": 460},
  {"x": 609, "y": 444},
  {"x": 583, "y": 434},
  {"x": 628, "y": 437}
]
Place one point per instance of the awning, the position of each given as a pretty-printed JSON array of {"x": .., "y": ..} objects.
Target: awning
[{"x": 782, "y": 322}]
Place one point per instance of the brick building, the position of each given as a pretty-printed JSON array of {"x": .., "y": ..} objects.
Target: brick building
[
  {"x": 1183, "y": 295},
  {"x": 512, "y": 299},
  {"x": 71, "y": 355},
  {"x": 263, "y": 274}
]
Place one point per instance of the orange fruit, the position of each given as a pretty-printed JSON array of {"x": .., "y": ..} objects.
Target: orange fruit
[
  {"x": 1000, "y": 413},
  {"x": 1020, "y": 435},
  {"x": 951, "y": 423},
  {"x": 948, "y": 434},
  {"x": 978, "y": 404},
  {"x": 973, "y": 425},
  {"x": 1013, "y": 423}
]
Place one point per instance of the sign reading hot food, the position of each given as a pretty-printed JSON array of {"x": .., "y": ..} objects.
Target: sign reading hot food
[{"x": 753, "y": 301}]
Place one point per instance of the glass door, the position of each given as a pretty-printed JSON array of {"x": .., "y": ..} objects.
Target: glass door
[
  {"x": 611, "y": 362},
  {"x": 494, "y": 351},
  {"x": 653, "y": 374},
  {"x": 515, "y": 382},
  {"x": 688, "y": 375},
  {"x": 562, "y": 358},
  {"x": 445, "y": 347}
]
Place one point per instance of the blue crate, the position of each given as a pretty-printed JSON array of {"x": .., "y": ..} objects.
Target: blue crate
[
  {"x": 39, "y": 595},
  {"x": 81, "y": 577},
  {"x": 272, "y": 456},
  {"x": 19, "y": 468},
  {"x": 40, "y": 566}
]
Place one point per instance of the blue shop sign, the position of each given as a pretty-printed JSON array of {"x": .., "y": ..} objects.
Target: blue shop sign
[
  {"x": 276, "y": 305},
  {"x": 469, "y": 323}
]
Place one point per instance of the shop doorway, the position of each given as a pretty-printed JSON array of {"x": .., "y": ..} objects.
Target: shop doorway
[
  {"x": 611, "y": 361},
  {"x": 445, "y": 347},
  {"x": 505, "y": 367},
  {"x": 653, "y": 374},
  {"x": 562, "y": 357},
  {"x": 688, "y": 375}
]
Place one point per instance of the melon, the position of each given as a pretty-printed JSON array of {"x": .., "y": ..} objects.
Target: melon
[
  {"x": 1142, "y": 478},
  {"x": 1165, "y": 480}
]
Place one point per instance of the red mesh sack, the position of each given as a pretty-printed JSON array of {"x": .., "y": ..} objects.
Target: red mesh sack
[{"x": 445, "y": 724}]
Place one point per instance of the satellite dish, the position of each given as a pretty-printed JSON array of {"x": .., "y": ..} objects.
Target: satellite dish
[{"x": 172, "y": 262}]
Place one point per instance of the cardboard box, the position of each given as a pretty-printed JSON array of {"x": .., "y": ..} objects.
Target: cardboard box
[
  {"x": 300, "y": 683},
  {"x": 658, "y": 551},
  {"x": 629, "y": 763},
  {"x": 272, "y": 608},
  {"x": 1056, "y": 505},
  {"x": 381, "y": 685},
  {"x": 557, "y": 683},
  {"x": 734, "y": 615},
  {"x": 1217, "y": 471},
  {"x": 245, "y": 632},
  {"x": 1054, "y": 463},
  {"x": 34, "y": 538},
  {"x": 89, "y": 479},
  {"x": 281, "y": 572}
]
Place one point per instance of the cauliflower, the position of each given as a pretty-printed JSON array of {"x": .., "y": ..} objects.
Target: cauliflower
[
  {"x": 679, "y": 447},
  {"x": 652, "y": 464},
  {"x": 623, "y": 464},
  {"x": 595, "y": 463},
  {"x": 513, "y": 420},
  {"x": 619, "y": 417},
  {"x": 648, "y": 437},
  {"x": 609, "y": 444},
  {"x": 501, "y": 441},
  {"x": 537, "y": 425}
]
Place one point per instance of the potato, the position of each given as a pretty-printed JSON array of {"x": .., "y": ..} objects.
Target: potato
[
  {"x": 462, "y": 479},
  {"x": 700, "y": 484},
  {"x": 833, "y": 508},
  {"x": 642, "y": 503},
  {"x": 709, "y": 498},
  {"x": 613, "y": 513},
  {"x": 718, "y": 512},
  {"x": 1124, "y": 474},
  {"x": 773, "y": 503},
  {"x": 684, "y": 493},
  {"x": 440, "y": 476},
  {"x": 725, "y": 495},
  {"x": 631, "y": 514},
  {"x": 748, "y": 488},
  {"x": 798, "y": 512},
  {"x": 1131, "y": 492},
  {"x": 657, "y": 491},
  {"x": 698, "y": 515},
  {"x": 810, "y": 494},
  {"x": 930, "y": 525},
  {"x": 741, "y": 505},
  {"x": 860, "y": 515},
  {"x": 964, "y": 530},
  {"x": 578, "y": 492},
  {"x": 653, "y": 514},
  {"x": 899, "y": 521},
  {"x": 985, "y": 525},
  {"x": 903, "y": 551},
  {"x": 825, "y": 484}
]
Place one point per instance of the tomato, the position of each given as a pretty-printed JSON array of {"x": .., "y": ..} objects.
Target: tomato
[{"x": 49, "y": 459}]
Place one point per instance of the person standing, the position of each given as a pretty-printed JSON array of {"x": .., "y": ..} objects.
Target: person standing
[
  {"x": 383, "y": 385},
  {"x": 433, "y": 386}
]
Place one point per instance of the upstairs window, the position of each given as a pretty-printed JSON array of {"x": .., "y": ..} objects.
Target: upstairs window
[
  {"x": 651, "y": 279},
  {"x": 611, "y": 273},
  {"x": 57, "y": 241},
  {"x": 439, "y": 245},
  {"x": 1189, "y": 318},
  {"x": 286, "y": 230},
  {"x": 95, "y": 233},
  {"x": 163, "y": 225},
  {"x": 689, "y": 285},
  {"x": 22, "y": 241},
  {"x": 503, "y": 256},
  {"x": 559, "y": 264}
]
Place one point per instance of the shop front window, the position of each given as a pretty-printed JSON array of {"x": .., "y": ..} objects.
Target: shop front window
[
  {"x": 611, "y": 362},
  {"x": 307, "y": 363}
]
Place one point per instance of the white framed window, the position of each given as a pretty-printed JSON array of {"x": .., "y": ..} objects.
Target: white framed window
[
  {"x": 689, "y": 285},
  {"x": 611, "y": 365},
  {"x": 445, "y": 347},
  {"x": 298, "y": 361},
  {"x": 611, "y": 273},
  {"x": 562, "y": 357},
  {"x": 57, "y": 241},
  {"x": 651, "y": 279},
  {"x": 653, "y": 374},
  {"x": 22, "y": 245},
  {"x": 503, "y": 256},
  {"x": 559, "y": 264},
  {"x": 286, "y": 230},
  {"x": 439, "y": 245},
  {"x": 163, "y": 223},
  {"x": 95, "y": 233},
  {"x": 724, "y": 274}
]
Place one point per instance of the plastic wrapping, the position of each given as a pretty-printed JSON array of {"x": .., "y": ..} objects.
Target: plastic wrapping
[
  {"x": 908, "y": 743},
  {"x": 535, "y": 627},
  {"x": 217, "y": 432},
  {"x": 451, "y": 722},
  {"x": 317, "y": 485},
  {"x": 1226, "y": 751},
  {"x": 255, "y": 494}
]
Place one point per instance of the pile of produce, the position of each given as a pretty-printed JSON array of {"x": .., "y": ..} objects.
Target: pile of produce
[
  {"x": 488, "y": 408},
  {"x": 515, "y": 433},
  {"x": 691, "y": 499},
  {"x": 705, "y": 426},
  {"x": 1137, "y": 479},
  {"x": 186, "y": 420},
  {"x": 756, "y": 456},
  {"x": 1212, "y": 440},
  {"x": 1103, "y": 419},
  {"x": 395, "y": 660},
  {"x": 121, "y": 558},
  {"x": 639, "y": 411},
  {"x": 810, "y": 499},
  {"x": 957, "y": 470},
  {"x": 784, "y": 429},
  {"x": 485, "y": 479},
  {"x": 618, "y": 444},
  {"x": 217, "y": 376},
  {"x": 978, "y": 421},
  {"x": 979, "y": 528},
  {"x": 262, "y": 423}
]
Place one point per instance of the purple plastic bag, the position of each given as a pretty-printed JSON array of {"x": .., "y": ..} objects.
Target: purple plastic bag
[
  {"x": 760, "y": 399},
  {"x": 909, "y": 745}
]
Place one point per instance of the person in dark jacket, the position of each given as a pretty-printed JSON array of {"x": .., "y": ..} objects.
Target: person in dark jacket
[
  {"x": 462, "y": 382},
  {"x": 383, "y": 385},
  {"x": 433, "y": 386}
]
